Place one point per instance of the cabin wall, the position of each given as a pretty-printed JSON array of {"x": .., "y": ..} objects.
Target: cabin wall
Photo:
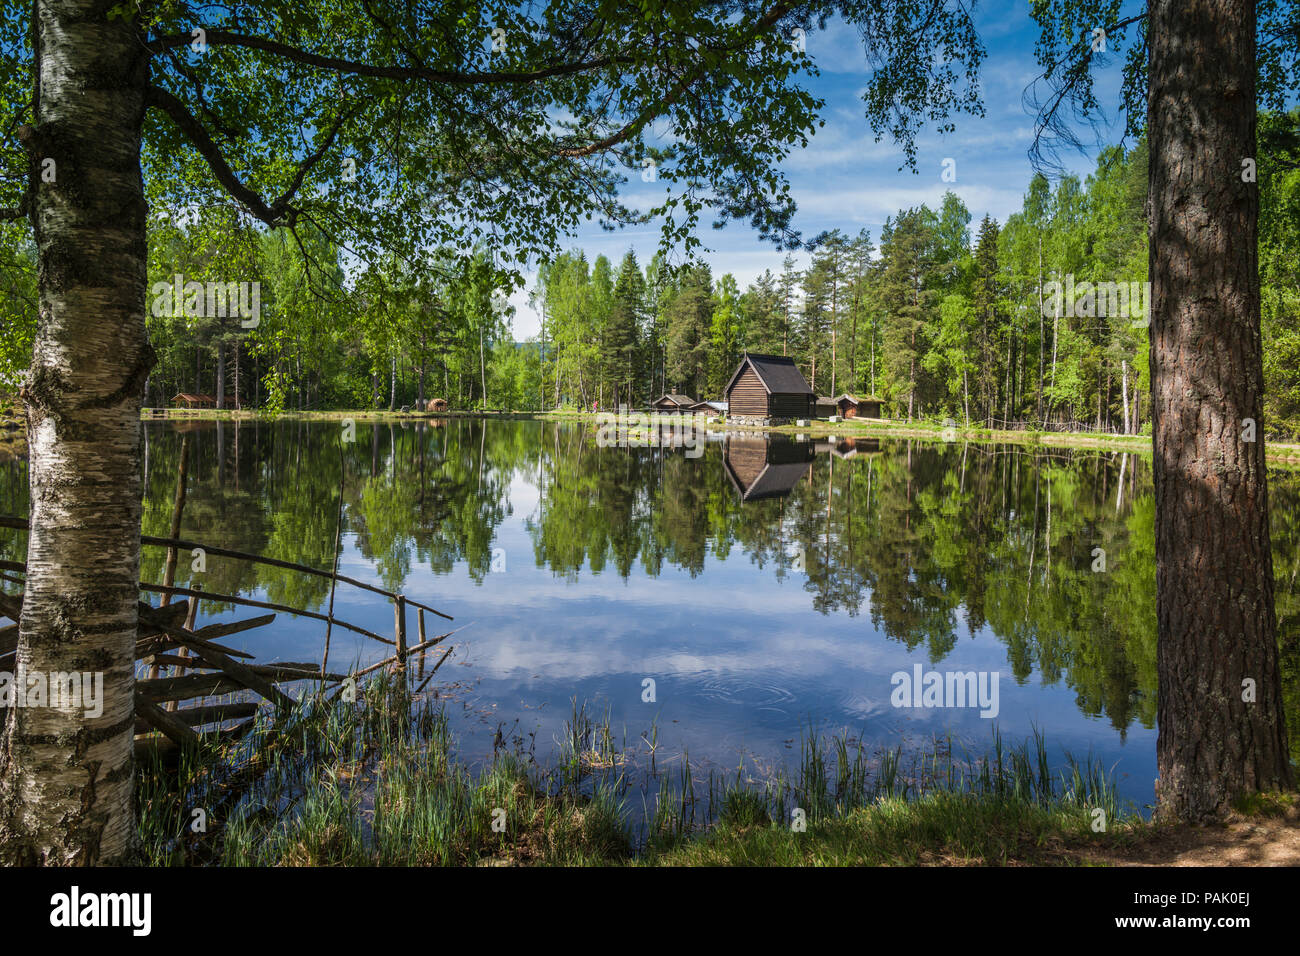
[
  {"x": 790, "y": 405},
  {"x": 747, "y": 397}
]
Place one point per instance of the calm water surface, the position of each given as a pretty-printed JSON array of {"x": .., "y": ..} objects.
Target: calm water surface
[{"x": 765, "y": 587}]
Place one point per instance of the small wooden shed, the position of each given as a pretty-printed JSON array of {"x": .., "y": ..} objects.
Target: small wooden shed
[
  {"x": 767, "y": 387},
  {"x": 673, "y": 402},
  {"x": 188, "y": 400},
  {"x": 849, "y": 407},
  {"x": 436, "y": 405},
  {"x": 709, "y": 408}
]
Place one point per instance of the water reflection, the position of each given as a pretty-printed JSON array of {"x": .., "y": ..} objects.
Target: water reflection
[{"x": 764, "y": 584}]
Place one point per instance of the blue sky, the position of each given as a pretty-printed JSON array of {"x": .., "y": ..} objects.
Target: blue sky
[{"x": 846, "y": 180}]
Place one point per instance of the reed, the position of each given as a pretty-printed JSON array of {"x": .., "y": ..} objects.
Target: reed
[{"x": 378, "y": 782}]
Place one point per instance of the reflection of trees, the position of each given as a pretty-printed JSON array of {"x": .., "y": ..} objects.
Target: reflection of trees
[
  {"x": 937, "y": 541},
  {"x": 934, "y": 542}
]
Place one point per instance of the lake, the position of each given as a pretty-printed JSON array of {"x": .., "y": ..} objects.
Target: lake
[{"x": 719, "y": 600}]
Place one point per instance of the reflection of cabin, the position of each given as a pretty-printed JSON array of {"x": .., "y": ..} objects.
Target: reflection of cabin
[
  {"x": 674, "y": 403},
  {"x": 846, "y": 406},
  {"x": 186, "y": 400},
  {"x": 848, "y": 447},
  {"x": 767, "y": 388},
  {"x": 759, "y": 468}
]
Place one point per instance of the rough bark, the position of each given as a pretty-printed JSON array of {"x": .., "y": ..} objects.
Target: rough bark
[
  {"x": 1214, "y": 574},
  {"x": 65, "y": 778}
]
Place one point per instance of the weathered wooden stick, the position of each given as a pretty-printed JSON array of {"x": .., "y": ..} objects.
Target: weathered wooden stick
[
  {"x": 206, "y": 714},
  {"x": 288, "y": 672},
  {"x": 389, "y": 660},
  {"x": 399, "y": 629},
  {"x": 178, "y": 508},
  {"x": 166, "y": 637},
  {"x": 237, "y": 671},
  {"x": 445, "y": 655},
  {"x": 249, "y": 602},
  {"x": 191, "y": 685},
  {"x": 334, "y": 565},
  {"x": 167, "y": 724},
  {"x": 170, "y": 660},
  {"x": 161, "y": 642}
]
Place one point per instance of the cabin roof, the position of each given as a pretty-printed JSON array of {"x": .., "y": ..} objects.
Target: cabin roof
[
  {"x": 774, "y": 481},
  {"x": 676, "y": 399},
  {"x": 777, "y": 373}
]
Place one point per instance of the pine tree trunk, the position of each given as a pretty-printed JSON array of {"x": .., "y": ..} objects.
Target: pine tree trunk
[
  {"x": 66, "y": 777},
  {"x": 1214, "y": 568}
]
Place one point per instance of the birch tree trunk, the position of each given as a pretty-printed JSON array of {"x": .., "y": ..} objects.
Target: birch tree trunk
[
  {"x": 1222, "y": 730},
  {"x": 66, "y": 777}
]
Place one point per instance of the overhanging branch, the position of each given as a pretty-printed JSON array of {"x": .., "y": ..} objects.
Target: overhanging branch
[
  {"x": 404, "y": 73},
  {"x": 198, "y": 136}
]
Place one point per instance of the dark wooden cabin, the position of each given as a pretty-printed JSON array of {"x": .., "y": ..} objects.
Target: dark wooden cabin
[
  {"x": 674, "y": 403},
  {"x": 850, "y": 407},
  {"x": 761, "y": 468},
  {"x": 769, "y": 386}
]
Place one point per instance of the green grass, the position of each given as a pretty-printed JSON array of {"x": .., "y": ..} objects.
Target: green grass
[{"x": 378, "y": 783}]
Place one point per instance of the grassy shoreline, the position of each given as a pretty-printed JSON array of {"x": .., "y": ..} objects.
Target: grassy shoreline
[
  {"x": 379, "y": 783},
  {"x": 1281, "y": 453}
]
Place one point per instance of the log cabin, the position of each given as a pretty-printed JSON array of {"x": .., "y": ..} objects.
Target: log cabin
[
  {"x": 849, "y": 407},
  {"x": 674, "y": 403},
  {"x": 767, "y": 389}
]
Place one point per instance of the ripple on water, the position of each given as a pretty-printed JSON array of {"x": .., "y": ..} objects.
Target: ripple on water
[{"x": 747, "y": 691}]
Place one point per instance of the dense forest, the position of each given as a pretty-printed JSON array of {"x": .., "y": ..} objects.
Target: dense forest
[
  {"x": 938, "y": 316},
  {"x": 935, "y": 317}
]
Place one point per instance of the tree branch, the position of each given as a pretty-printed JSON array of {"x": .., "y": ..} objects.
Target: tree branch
[
  {"x": 198, "y": 136},
  {"x": 274, "y": 214},
  {"x": 225, "y": 38}
]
